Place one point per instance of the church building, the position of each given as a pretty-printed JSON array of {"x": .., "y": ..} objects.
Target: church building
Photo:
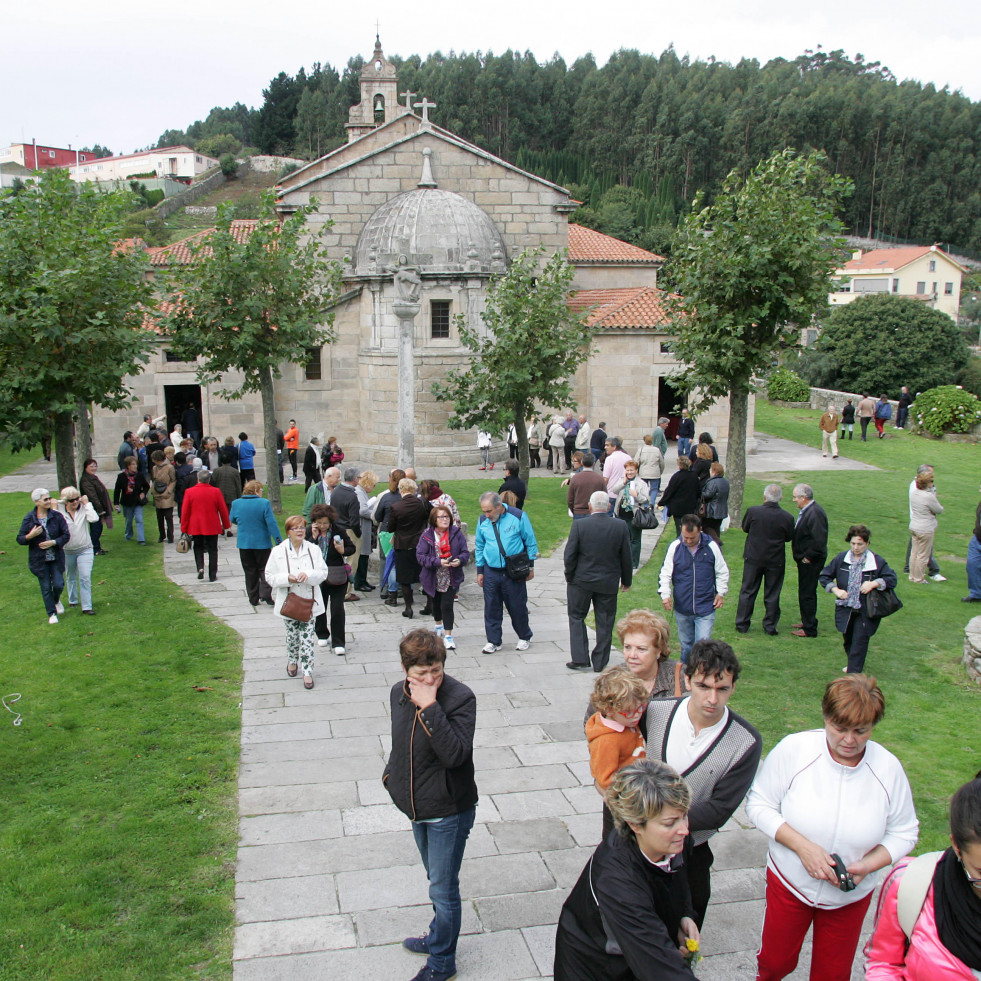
[{"x": 421, "y": 221}]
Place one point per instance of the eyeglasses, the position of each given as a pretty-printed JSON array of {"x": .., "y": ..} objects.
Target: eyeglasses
[{"x": 970, "y": 878}]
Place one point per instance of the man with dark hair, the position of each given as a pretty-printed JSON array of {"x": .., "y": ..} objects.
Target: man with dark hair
[
  {"x": 695, "y": 569},
  {"x": 226, "y": 478},
  {"x": 768, "y": 529},
  {"x": 810, "y": 547},
  {"x": 582, "y": 486},
  {"x": 715, "y": 750},
  {"x": 246, "y": 458},
  {"x": 430, "y": 778},
  {"x": 597, "y": 440},
  {"x": 126, "y": 448},
  {"x": 513, "y": 483},
  {"x": 344, "y": 500}
]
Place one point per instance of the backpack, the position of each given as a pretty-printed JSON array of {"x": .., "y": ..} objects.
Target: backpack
[{"x": 913, "y": 889}]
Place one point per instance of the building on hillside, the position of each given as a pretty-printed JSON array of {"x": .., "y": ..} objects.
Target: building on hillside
[
  {"x": 171, "y": 161},
  {"x": 422, "y": 220},
  {"x": 924, "y": 272},
  {"x": 9, "y": 172},
  {"x": 33, "y": 156}
]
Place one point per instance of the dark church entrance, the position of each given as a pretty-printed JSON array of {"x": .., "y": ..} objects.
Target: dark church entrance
[
  {"x": 670, "y": 402},
  {"x": 176, "y": 399}
]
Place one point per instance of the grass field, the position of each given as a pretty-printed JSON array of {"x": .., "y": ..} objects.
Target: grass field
[
  {"x": 118, "y": 815},
  {"x": 932, "y": 709}
]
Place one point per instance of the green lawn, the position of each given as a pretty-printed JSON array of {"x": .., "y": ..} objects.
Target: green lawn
[
  {"x": 118, "y": 821},
  {"x": 932, "y": 710},
  {"x": 11, "y": 461}
]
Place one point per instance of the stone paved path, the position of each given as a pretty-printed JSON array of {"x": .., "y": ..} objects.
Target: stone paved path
[{"x": 329, "y": 880}]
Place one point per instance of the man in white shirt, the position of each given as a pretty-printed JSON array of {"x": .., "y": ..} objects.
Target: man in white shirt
[
  {"x": 715, "y": 750},
  {"x": 613, "y": 465}
]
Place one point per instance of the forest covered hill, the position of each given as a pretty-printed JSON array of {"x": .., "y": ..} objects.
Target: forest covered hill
[{"x": 636, "y": 139}]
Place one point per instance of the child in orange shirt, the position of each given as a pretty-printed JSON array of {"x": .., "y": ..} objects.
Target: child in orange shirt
[{"x": 619, "y": 698}]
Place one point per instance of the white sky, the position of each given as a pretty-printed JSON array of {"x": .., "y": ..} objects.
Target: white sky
[{"x": 120, "y": 73}]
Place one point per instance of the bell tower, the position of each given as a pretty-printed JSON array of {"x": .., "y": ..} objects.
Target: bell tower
[{"x": 379, "y": 96}]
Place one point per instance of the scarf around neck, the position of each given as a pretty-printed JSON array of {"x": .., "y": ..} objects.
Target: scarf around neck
[{"x": 957, "y": 906}]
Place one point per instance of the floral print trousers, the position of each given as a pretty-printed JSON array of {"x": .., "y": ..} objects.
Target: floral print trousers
[{"x": 299, "y": 644}]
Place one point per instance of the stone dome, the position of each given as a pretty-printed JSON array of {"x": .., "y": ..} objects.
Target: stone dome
[{"x": 437, "y": 231}]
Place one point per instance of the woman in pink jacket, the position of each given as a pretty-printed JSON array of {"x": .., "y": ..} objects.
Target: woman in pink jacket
[{"x": 945, "y": 942}]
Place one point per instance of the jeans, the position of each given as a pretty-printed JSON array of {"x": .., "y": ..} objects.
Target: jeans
[
  {"x": 901, "y": 415},
  {"x": 974, "y": 568},
  {"x": 654, "y": 483},
  {"x": 684, "y": 445},
  {"x": 692, "y": 629},
  {"x": 80, "y": 564},
  {"x": 52, "y": 581},
  {"x": 500, "y": 592},
  {"x": 130, "y": 512},
  {"x": 441, "y": 844}
]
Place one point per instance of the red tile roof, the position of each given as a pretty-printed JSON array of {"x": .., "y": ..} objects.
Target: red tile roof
[
  {"x": 637, "y": 307},
  {"x": 587, "y": 245},
  {"x": 881, "y": 260},
  {"x": 180, "y": 254}
]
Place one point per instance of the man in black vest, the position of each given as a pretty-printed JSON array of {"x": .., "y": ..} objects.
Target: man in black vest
[
  {"x": 810, "y": 548},
  {"x": 768, "y": 529},
  {"x": 597, "y": 564}
]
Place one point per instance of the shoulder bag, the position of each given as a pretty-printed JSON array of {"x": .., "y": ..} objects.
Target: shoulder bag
[
  {"x": 183, "y": 543},
  {"x": 517, "y": 566},
  {"x": 882, "y": 603},
  {"x": 645, "y": 517},
  {"x": 296, "y": 607}
]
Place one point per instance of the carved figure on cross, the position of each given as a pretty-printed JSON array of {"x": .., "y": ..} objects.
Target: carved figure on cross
[{"x": 425, "y": 106}]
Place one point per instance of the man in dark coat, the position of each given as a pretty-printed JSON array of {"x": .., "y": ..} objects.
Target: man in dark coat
[
  {"x": 430, "y": 778},
  {"x": 810, "y": 547},
  {"x": 768, "y": 529},
  {"x": 597, "y": 564}
]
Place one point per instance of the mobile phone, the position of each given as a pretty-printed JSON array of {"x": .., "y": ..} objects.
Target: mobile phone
[{"x": 845, "y": 881}]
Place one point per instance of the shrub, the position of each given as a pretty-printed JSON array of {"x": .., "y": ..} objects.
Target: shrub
[
  {"x": 288, "y": 169},
  {"x": 947, "y": 409},
  {"x": 229, "y": 165},
  {"x": 970, "y": 378},
  {"x": 786, "y": 386}
]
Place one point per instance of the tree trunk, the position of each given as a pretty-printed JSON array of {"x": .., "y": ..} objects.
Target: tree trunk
[
  {"x": 736, "y": 456},
  {"x": 273, "y": 489},
  {"x": 521, "y": 429},
  {"x": 64, "y": 441},
  {"x": 83, "y": 431}
]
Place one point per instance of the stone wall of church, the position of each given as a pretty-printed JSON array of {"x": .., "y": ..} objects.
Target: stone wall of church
[{"x": 614, "y": 277}]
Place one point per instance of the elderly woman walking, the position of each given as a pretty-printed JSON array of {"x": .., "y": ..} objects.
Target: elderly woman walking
[
  {"x": 923, "y": 510},
  {"x": 81, "y": 518},
  {"x": 45, "y": 532}
]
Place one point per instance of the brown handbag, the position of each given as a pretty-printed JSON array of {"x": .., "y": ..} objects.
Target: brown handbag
[{"x": 296, "y": 607}]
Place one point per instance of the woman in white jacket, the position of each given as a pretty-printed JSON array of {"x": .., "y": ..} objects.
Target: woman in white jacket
[
  {"x": 820, "y": 794},
  {"x": 79, "y": 552},
  {"x": 296, "y": 566}
]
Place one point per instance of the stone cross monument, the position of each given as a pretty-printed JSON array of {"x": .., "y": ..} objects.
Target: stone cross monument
[{"x": 406, "y": 306}]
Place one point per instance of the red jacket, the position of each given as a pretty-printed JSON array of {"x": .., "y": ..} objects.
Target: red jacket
[{"x": 204, "y": 511}]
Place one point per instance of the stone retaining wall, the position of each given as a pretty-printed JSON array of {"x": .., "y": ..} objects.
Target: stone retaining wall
[{"x": 972, "y": 649}]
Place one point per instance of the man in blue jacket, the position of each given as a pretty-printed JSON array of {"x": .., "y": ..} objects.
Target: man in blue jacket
[
  {"x": 503, "y": 531},
  {"x": 695, "y": 569}
]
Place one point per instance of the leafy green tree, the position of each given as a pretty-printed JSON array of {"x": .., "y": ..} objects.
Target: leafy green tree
[
  {"x": 229, "y": 165},
  {"x": 71, "y": 310},
  {"x": 217, "y": 146},
  {"x": 528, "y": 354},
  {"x": 97, "y": 150},
  {"x": 251, "y": 304},
  {"x": 748, "y": 267},
  {"x": 880, "y": 341}
]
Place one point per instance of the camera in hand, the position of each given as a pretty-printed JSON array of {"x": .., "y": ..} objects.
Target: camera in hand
[{"x": 845, "y": 881}]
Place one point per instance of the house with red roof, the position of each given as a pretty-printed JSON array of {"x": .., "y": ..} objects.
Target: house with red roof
[{"x": 924, "y": 272}]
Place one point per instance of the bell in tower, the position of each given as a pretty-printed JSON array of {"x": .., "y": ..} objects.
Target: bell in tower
[{"x": 379, "y": 96}]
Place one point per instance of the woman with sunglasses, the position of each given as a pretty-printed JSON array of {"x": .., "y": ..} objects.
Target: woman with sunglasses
[
  {"x": 944, "y": 942},
  {"x": 79, "y": 551}
]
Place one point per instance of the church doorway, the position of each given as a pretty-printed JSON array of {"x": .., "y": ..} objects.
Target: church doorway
[
  {"x": 670, "y": 402},
  {"x": 177, "y": 398}
]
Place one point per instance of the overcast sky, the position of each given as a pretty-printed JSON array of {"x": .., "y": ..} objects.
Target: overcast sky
[{"x": 121, "y": 73}]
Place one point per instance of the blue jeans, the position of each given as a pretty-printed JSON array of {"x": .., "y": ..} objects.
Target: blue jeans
[
  {"x": 684, "y": 445},
  {"x": 79, "y": 565},
  {"x": 441, "y": 844},
  {"x": 974, "y": 568},
  {"x": 692, "y": 629},
  {"x": 130, "y": 513},
  {"x": 500, "y": 593},
  {"x": 655, "y": 485},
  {"x": 52, "y": 582}
]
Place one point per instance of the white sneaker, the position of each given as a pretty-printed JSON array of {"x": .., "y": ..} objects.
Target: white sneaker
[
  {"x": 439, "y": 631},
  {"x": 522, "y": 645},
  {"x": 489, "y": 648},
  {"x": 59, "y": 607},
  {"x": 54, "y": 619},
  {"x": 449, "y": 643},
  {"x": 323, "y": 643},
  {"x": 339, "y": 651},
  {"x": 938, "y": 578}
]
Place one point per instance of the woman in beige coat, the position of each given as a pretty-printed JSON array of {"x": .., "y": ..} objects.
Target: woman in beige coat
[
  {"x": 163, "y": 481},
  {"x": 923, "y": 510}
]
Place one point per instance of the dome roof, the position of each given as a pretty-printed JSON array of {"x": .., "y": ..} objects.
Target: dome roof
[{"x": 436, "y": 230}]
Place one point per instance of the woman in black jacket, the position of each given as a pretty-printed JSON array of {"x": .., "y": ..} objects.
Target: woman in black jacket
[
  {"x": 407, "y": 520},
  {"x": 683, "y": 493},
  {"x": 326, "y": 534},
  {"x": 633, "y": 896},
  {"x": 850, "y": 576},
  {"x": 715, "y": 495}
]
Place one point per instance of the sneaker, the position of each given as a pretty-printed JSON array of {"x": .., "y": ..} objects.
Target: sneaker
[
  {"x": 429, "y": 974},
  {"x": 522, "y": 645},
  {"x": 339, "y": 651},
  {"x": 439, "y": 631},
  {"x": 323, "y": 642},
  {"x": 59, "y": 607},
  {"x": 938, "y": 578},
  {"x": 417, "y": 945},
  {"x": 489, "y": 648},
  {"x": 54, "y": 619},
  {"x": 450, "y": 644}
]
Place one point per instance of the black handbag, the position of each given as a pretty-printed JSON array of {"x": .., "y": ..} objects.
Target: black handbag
[
  {"x": 882, "y": 603},
  {"x": 645, "y": 517},
  {"x": 517, "y": 566}
]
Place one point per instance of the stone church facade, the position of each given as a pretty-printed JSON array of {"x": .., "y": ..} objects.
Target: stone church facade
[{"x": 420, "y": 220}]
